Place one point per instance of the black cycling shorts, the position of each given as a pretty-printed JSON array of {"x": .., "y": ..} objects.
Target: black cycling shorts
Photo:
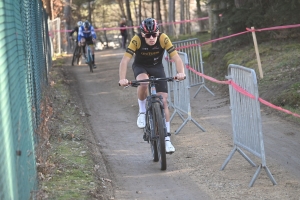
[
  {"x": 157, "y": 72},
  {"x": 89, "y": 40}
]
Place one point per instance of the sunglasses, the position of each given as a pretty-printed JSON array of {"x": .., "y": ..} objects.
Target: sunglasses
[{"x": 148, "y": 35}]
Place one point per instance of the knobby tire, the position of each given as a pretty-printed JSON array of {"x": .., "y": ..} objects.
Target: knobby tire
[
  {"x": 153, "y": 143},
  {"x": 79, "y": 55},
  {"x": 160, "y": 133},
  {"x": 74, "y": 56},
  {"x": 91, "y": 62}
]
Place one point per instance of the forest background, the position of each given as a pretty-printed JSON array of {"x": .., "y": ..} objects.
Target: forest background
[{"x": 225, "y": 18}]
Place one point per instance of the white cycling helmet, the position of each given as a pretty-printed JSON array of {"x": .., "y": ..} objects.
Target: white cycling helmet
[{"x": 79, "y": 23}]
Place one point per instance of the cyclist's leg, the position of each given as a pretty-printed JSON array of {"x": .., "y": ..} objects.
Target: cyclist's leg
[
  {"x": 82, "y": 43},
  {"x": 143, "y": 88},
  {"x": 139, "y": 74},
  {"x": 142, "y": 95},
  {"x": 169, "y": 147},
  {"x": 166, "y": 107},
  {"x": 93, "y": 51},
  {"x": 83, "y": 46},
  {"x": 90, "y": 43}
]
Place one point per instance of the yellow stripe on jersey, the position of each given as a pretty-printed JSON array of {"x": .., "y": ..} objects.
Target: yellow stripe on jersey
[
  {"x": 166, "y": 43},
  {"x": 134, "y": 45}
]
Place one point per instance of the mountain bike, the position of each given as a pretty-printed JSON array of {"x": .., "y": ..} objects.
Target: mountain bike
[
  {"x": 155, "y": 130},
  {"x": 77, "y": 53},
  {"x": 89, "y": 57}
]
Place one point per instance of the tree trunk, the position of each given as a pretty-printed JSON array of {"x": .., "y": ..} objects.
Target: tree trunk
[
  {"x": 47, "y": 5},
  {"x": 140, "y": 11},
  {"x": 89, "y": 12},
  {"x": 120, "y": 2},
  {"x": 144, "y": 8},
  {"x": 165, "y": 14},
  {"x": 129, "y": 16},
  {"x": 182, "y": 13},
  {"x": 188, "y": 17},
  {"x": 224, "y": 30},
  {"x": 210, "y": 20},
  {"x": 158, "y": 14},
  {"x": 65, "y": 25},
  {"x": 199, "y": 15},
  {"x": 135, "y": 12},
  {"x": 171, "y": 17}
]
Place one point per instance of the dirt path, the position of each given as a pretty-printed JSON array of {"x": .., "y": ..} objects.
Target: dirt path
[{"x": 194, "y": 169}]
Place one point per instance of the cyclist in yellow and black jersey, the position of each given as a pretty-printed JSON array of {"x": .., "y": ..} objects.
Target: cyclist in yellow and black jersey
[
  {"x": 149, "y": 47},
  {"x": 150, "y": 56}
]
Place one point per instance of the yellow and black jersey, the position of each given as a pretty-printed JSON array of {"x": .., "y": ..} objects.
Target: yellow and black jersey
[{"x": 149, "y": 56}]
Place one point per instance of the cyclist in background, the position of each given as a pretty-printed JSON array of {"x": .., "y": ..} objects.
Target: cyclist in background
[
  {"x": 76, "y": 29},
  {"x": 149, "y": 47},
  {"x": 123, "y": 32},
  {"x": 87, "y": 36}
]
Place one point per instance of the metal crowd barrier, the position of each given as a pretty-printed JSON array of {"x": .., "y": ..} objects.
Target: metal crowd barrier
[
  {"x": 168, "y": 71},
  {"x": 180, "y": 96},
  {"x": 246, "y": 119},
  {"x": 194, "y": 53}
]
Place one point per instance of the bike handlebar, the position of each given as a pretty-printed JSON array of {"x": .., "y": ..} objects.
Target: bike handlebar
[{"x": 152, "y": 80}]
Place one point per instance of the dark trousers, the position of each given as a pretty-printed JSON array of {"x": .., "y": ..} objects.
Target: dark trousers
[{"x": 124, "y": 39}]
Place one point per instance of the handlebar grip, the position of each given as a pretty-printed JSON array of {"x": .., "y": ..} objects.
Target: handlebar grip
[
  {"x": 175, "y": 78},
  {"x": 129, "y": 83}
]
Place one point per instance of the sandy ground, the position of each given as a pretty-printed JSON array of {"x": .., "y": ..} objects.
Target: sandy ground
[{"x": 193, "y": 171}]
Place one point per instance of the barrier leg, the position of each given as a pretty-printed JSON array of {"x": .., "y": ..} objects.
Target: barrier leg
[
  {"x": 197, "y": 124},
  {"x": 205, "y": 88},
  {"x": 246, "y": 157},
  {"x": 228, "y": 158},
  {"x": 270, "y": 175},
  {"x": 255, "y": 176}
]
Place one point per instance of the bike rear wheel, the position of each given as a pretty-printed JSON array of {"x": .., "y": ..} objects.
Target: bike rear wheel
[{"x": 160, "y": 133}]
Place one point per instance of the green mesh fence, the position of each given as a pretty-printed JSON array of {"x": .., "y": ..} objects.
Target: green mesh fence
[{"x": 24, "y": 61}]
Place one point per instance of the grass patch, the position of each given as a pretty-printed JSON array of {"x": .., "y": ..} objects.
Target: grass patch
[{"x": 70, "y": 173}]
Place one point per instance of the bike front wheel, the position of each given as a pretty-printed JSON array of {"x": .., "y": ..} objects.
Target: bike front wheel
[
  {"x": 79, "y": 56},
  {"x": 74, "y": 55},
  {"x": 160, "y": 135},
  {"x": 148, "y": 135},
  {"x": 90, "y": 59}
]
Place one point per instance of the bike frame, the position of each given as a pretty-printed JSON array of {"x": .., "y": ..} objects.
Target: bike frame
[{"x": 77, "y": 53}]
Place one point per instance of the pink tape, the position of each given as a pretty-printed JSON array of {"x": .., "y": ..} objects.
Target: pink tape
[
  {"x": 130, "y": 27},
  {"x": 244, "y": 92}
]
